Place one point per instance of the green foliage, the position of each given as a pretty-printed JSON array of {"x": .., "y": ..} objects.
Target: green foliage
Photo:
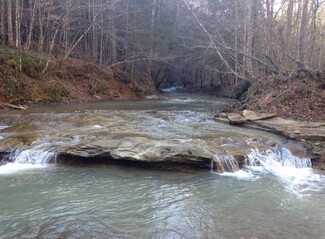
[
  {"x": 311, "y": 148},
  {"x": 57, "y": 91},
  {"x": 15, "y": 87},
  {"x": 304, "y": 92},
  {"x": 141, "y": 88},
  {"x": 30, "y": 65},
  {"x": 8, "y": 53},
  {"x": 244, "y": 96},
  {"x": 256, "y": 89},
  {"x": 102, "y": 87}
]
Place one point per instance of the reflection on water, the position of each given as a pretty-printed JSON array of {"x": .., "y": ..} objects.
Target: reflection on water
[
  {"x": 268, "y": 200},
  {"x": 114, "y": 202}
]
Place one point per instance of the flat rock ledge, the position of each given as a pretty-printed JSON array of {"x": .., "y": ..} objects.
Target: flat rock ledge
[
  {"x": 185, "y": 155},
  {"x": 291, "y": 129},
  {"x": 194, "y": 153},
  {"x": 312, "y": 133}
]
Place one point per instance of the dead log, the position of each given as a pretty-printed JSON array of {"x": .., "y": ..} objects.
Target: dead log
[{"x": 12, "y": 106}]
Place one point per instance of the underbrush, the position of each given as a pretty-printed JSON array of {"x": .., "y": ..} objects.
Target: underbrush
[
  {"x": 300, "y": 97},
  {"x": 22, "y": 81}
]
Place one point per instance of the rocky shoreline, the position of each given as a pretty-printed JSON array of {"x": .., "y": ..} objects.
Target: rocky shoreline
[
  {"x": 186, "y": 155},
  {"x": 312, "y": 134}
]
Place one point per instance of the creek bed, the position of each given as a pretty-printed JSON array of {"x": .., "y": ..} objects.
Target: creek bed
[{"x": 39, "y": 200}]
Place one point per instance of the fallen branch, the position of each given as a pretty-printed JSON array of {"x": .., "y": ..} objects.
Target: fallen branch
[{"x": 12, "y": 106}]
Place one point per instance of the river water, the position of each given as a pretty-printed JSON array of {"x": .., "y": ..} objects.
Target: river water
[{"x": 268, "y": 199}]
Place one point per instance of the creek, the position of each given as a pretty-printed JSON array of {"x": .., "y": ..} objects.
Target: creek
[{"x": 276, "y": 194}]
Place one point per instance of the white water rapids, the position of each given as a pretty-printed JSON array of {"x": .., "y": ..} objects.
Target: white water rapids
[
  {"x": 275, "y": 195},
  {"x": 30, "y": 159},
  {"x": 266, "y": 199},
  {"x": 294, "y": 173}
]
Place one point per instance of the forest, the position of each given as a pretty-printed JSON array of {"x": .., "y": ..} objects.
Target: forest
[
  {"x": 189, "y": 42},
  {"x": 162, "y": 119}
]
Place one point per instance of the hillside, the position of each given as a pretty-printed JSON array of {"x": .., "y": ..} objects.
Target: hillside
[
  {"x": 299, "y": 96},
  {"x": 69, "y": 81}
]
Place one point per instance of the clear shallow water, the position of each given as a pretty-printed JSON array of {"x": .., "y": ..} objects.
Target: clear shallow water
[
  {"x": 115, "y": 202},
  {"x": 269, "y": 200},
  {"x": 167, "y": 117}
]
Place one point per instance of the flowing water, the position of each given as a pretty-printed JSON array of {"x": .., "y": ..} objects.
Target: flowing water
[
  {"x": 276, "y": 195},
  {"x": 224, "y": 163}
]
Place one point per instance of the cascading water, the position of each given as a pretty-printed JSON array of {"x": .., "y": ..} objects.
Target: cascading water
[
  {"x": 32, "y": 156},
  {"x": 21, "y": 160},
  {"x": 221, "y": 163},
  {"x": 295, "y": 173},
  {"x": 280, "y": 157}
]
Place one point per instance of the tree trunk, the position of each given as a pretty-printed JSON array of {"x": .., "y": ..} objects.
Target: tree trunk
[
  {"x": 249, "y": 37},
  {"x": 17, "y": 24},
  {"x": 41, "y": 30},
  {"x": 50, "y": 50},
  {"x": 2, "y": 22},
  {"x": 269, "y": 30},
  {"x": 10, "y": 30},
  {"x": 289, "y": 18},
  {"x": 152, "y": 27},
  {"x": 302, "y": 33},
  {"x": 31, "y": 26},
  {"x": 94, "y": 37},
  {"x": 101, "y": 45},
  {"x": 312, "y": 40},
  {"x": 133, "y": 39},
  {"x": 127, "y": 29},
  {"x": 288, "y": 36},
  {"x": 236, "y": 40},
  {"x": 113, "y": 36},
  {"x": 80, "y": 38}
]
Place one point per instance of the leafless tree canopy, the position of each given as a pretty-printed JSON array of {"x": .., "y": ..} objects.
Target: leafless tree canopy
[{"x": 194, "y": 42}]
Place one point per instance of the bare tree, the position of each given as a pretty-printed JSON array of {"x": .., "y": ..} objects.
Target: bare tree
[
  {"x": 17, "y": 24},
  {"x": 10, "y": 29},
  {"x": 31, "y": 24},
  {"x": 2, "y": 22},
  {"x": 302, "y": 33}
]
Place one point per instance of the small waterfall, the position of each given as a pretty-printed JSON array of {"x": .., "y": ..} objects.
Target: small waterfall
[
  {"x": 25, "y": 160},
  {"x": 32, "y": 156},
  {"x": 295, "y": 173},
  {"x": 280, "y": 157},
  {"x": 221, "y": 163}
]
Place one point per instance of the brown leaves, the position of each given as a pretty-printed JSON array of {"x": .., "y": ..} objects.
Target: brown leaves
[{"x": 296, "y": 98}]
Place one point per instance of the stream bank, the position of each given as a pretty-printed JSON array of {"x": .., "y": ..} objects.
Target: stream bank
[
  {"x": 310, "y": 134},
  {"x": 66, "y": 82}
]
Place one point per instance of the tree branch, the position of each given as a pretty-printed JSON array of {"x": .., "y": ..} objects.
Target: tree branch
[{"x": 215, "y": 47}]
